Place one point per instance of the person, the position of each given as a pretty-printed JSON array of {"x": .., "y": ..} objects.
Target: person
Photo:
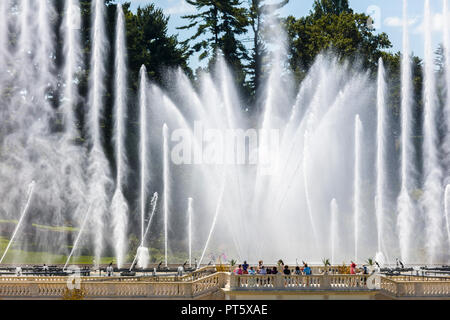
[
  {"x": 353, "y": 268},
  {"x": 274, "y": 270},
  {"x": 365, "y": 270},
  {"x": 45, "y": 269},
  {"x": 251, "y": 271},
  {"x": 110, "y": 270},
  {"x": 262, "y": 270},
  {"x": 280, "y": 264},
  {"x": 238, "y": 270},
  {"x": 180, "y": 271},
  {"x": 307, "y": 270},
  {"x": 286, "y": 271},
  {"x": 260, "y": 264},
  {"x": 268, "y": 271},
  {"x": 298, "y": 271},
  {"x": 18, "y": 271},
  {"x": 245, "y": 266}
]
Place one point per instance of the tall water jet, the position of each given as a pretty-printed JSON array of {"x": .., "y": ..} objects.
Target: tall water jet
[
  {"x": 98, "y": 169},
  {"x": 306, "y": 185},
  {"x": 4, "y": 13},
  {"x": 73, "y": 60},
  {"x": 143, "y": 143},
  {"x": 166, "y": 188},
  {"x": 381, "y": 167},
  {"x": 119, "y": 206},
  {"x": 334, "y": 208},
  {"x": 80, "y": 233},
  {"x": 211, "y": 230},
  {"x": 143, "y": 254},
  {"x": 405, "y": 218},
  {"x": 45, "y": 50},
  {"x": 357, "y": 182},
  {"x": 447, "y": 211},
  {"x": 446, "y": 42},
  {"x": 190, "y": 212},
  {"x": 432, "y": 198},
  {"x": 22, "y": 216}
]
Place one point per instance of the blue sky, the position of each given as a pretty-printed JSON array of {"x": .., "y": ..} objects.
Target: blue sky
[{"x": 389, "y": 11}]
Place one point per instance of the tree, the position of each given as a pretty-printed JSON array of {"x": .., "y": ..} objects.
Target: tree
[
  {"x": 332, "y": 25},
  {"x": 219, "y": 23},
  {"x": 150, "y": 44},
  {"x": 327, "y": 7},
  {"x": 258, "y": 11}
]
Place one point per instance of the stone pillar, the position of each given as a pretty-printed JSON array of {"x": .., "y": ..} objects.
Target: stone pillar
[
  {"x": 325, "y": 283},
  {"x": 188, "y": 289},
  {"x": 234, "y": 282},
  {"x": 418, "y": 289},
  {"x": 278, "y": 281}
]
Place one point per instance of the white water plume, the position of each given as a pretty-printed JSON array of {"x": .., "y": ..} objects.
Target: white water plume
[
  {"x": 357, "y": 186},
  {"x": 119, "y": 206},
  {"x": 98, "y": 168},
  {"x": 433, "y": 189},
  {"x": 404, "y": 205}
]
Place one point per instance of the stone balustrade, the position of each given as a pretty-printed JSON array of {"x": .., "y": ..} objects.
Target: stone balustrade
[
  {"x": 415, "y": 287},
  {"x": 205, "y": 282},
  {"x": 299, "y": 282},
  {"x": 94, "y": 289}
]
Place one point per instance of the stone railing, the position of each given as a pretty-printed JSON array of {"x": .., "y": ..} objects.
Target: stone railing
[
  {"x": 54, "y": 288},
  {"x": 299, "y": 282},
  {"x": 187, "y": 277},
  {"x": 405, "y": 287}
]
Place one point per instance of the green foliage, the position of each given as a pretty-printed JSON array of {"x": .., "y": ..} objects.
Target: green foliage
[
  {"x": 218, "y": 25},
  {"x": 335, "y": 28},
  {"x": 149, "y": 44},
  {"x": 257, "y": 14},
  {"x": 326, "y": 262}
]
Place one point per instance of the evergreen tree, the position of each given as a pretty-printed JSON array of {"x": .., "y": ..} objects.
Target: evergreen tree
[
  {"x": 218, "y": 25},
  {"x": 258, "y": 11}
]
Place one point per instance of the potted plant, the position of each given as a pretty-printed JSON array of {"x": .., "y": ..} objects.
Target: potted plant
[
  {"x": 326, "y": 264},
  {"x": 371, "y": 263}
]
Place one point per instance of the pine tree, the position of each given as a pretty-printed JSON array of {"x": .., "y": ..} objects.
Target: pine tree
[
  {"x": 219, "y": 23},
  {"x": 257, "y": 13}
]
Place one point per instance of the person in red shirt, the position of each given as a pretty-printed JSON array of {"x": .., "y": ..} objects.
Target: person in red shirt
[
  {"x": 238, "y": 270},
  {"x": 353, "y": 268}
]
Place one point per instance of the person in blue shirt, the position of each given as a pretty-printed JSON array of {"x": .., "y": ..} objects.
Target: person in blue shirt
[{"x": 307, "y": 270}]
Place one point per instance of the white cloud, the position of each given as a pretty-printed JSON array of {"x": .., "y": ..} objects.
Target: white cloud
[
  {"x": 398, "y": 21},
  {"x": 437, "y": 24}
]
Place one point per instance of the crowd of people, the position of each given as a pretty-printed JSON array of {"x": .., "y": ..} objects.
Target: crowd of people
[{"x": 246, "y": 269}]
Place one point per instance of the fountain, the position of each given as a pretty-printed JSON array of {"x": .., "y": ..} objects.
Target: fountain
[
  {"x": 189, "y": 213},
  {"x": 405, "y": 208},
  {"x": 22, "y": 216},
  {"x": 357, "y": 182},
  {"x": 297, "y": 154},
  {"x": 334, "y": 208},
  {"x": 119, "y": 206},
  {"x": 142, "y": 254},
  {"x": 433, "y": 189},
  {"x": 166, "y": 189},
  {"x": 98, "y": 166}
]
